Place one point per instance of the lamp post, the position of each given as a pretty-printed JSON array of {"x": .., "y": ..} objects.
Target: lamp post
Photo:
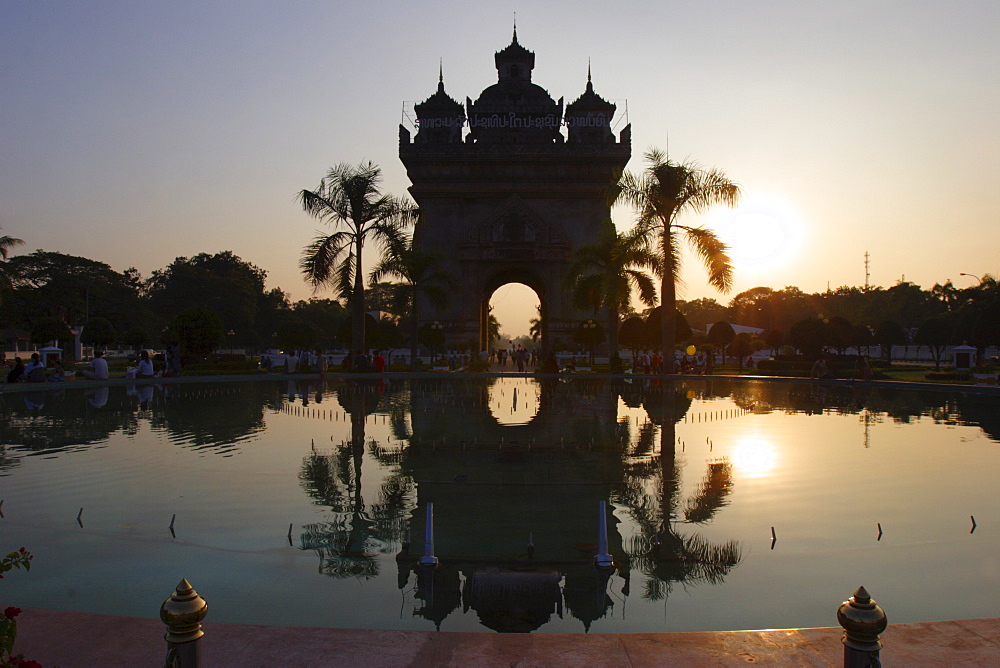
[
  {"x": 590, "y": 334},
  {"x": 978, "y": 280},
  {"x": 435, "y": 328}
]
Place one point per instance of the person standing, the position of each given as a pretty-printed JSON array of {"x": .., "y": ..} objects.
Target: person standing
[{"x": 379, "y": 362}]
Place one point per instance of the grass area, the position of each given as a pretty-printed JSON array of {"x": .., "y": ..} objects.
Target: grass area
[{"x": 897, "y": 372}]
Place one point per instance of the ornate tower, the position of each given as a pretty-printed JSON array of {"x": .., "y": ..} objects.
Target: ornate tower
[{"x": 506, "y": 196}]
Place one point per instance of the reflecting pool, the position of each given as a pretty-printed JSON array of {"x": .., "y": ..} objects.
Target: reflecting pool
[{"x": 304, "y": 503}]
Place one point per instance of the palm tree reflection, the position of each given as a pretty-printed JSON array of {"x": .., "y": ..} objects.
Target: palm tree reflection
[
  {"x": 349, "y": 544},
  {"x": 659, "y": 550}
]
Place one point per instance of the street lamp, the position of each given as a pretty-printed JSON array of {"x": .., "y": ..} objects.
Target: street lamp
[
  {"x": 962, "y": 273},
  {"x": 590, "y": 335},
  {"x": 436, "y": 335}
]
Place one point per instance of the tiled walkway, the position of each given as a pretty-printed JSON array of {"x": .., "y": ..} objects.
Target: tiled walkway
[{"x": 69, "y": 639}]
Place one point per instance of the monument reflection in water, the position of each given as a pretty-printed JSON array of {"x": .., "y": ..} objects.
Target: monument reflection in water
[{"x": 515, "y": 469}]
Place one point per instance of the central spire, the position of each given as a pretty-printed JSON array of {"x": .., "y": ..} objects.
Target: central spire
[{"x": 515, "y": 61}]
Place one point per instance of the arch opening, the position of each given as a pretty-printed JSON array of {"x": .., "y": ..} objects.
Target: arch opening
[{"x": 514, "y": 308}]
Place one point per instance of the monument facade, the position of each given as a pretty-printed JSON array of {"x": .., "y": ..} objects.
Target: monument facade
[{"x": 509, "y": 186}]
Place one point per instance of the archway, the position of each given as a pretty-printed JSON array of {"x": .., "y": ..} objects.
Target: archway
[
  {"x": 506, "y": 197},
  {"x": 514, "y": 304}
]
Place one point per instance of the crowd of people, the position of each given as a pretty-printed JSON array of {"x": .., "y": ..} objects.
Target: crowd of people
[{"x": 37, "y": 371}]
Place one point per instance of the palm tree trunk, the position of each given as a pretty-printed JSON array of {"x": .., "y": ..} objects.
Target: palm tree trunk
[
  {"x": 613, "y": 365},
  {"x": 668, "y": 303},
  {"x": 414, "y": 327},
  {"x": 358, "y": 304}
]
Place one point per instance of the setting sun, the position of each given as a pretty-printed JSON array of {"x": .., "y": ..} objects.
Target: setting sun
[{"x": 765, "y": 232}]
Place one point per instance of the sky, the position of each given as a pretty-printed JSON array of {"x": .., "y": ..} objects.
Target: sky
[{"x": 135, "y": 132}]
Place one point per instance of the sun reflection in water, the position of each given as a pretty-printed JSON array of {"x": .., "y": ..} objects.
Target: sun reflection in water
[{"x": 755, "y": 457}]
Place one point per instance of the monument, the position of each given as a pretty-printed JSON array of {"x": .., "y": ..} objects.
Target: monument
[{"x": 509, "y": 186}]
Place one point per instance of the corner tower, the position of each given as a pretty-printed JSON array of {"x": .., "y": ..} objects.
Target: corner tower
[{"x": 506, "y": 197}]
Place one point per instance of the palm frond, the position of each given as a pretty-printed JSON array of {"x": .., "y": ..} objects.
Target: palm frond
[
  {"x": 714, "y": 254},
  {"x": 321, "y": 255},
  {"x": 344, "y": 285},
  {"x": 6, "y": 243}
]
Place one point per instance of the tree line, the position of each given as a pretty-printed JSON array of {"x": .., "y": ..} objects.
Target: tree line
[{"x": 207, "y": 301}]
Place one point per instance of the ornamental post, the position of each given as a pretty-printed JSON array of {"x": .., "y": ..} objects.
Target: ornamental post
[
  {"x": 863, "y": 621},
  {"x": 183, "y": 612}
]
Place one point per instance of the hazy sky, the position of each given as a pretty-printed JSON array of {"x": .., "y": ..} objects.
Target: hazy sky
[{"x": 134, "y": 132}]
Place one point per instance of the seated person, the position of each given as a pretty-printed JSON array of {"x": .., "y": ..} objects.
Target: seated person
[
  {"x": 819, "y": 370},
  {"x": 57, "y": 374},
  {"x": 34, "y": 371},
  {"x": 145, "y": 366},
  {"x": 98, "y": 368},
  {"x": 16, "y": 373}
]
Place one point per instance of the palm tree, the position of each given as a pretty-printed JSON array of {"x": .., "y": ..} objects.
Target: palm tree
[
  {"x": 422, "y": 274},
  {"x": 604, "y": 273},
  {"x": 349, "y": 199},
  {"x": 6, "y": 276},
  {"x": 663, "y": 192},
  {"x": 535, "y": 329}
]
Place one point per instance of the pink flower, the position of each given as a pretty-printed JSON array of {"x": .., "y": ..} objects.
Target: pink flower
[{"x": 11, "y": 612}]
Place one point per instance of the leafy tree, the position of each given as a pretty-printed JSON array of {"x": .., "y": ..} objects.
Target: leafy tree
[
  {"x": 345, "y": 332},
  {"x": 385, "y": 333},
  {"x": 199, "y": 330},
  {"x": 137, "y": 337},
  {"x": 273, "y": 308},
  {"x": 775, "y": 338},
  {"x": 227, "y": 284},
  {"x": 810, "y": 336},
  {"x": 664, "y": 192},
  {"x": 888, "y": 334},
  {"x": 741, "y": 347},
  {"x": 251, "y": 340},
  {"x": 50, "y": 329},
  {"x": 384, "y": 297},
  {"x": 632, "y": 334},
  {"x": 840, "y": 333},
  {"x": 654, "y": 325},
  {"x": 934, "y": 333},
  {"x": 70, "y": 288},
  {"x": 905, "y": 303},
  {"x": 721, "y": 334},
  {"x": 99, "y": 332},
  {"x": 603, "y": 274},
  {"x": 701, "y": 313},
  {"x": 754, "y": 308},
  {"x": 862, "y": 337},
  {"x": 327, "y": 316},
  {"x": 423, "y": 279},
  {"x": 297, "y": 334},
  {"x": 349, "y": 199},
  {"x": 986, "y": 330}
]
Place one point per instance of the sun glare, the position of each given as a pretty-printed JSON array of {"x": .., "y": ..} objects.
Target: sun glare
[
  {"x": 754, "y": 457},
  {"x": 762, "y": 234}
]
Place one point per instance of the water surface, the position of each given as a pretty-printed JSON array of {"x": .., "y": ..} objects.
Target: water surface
[{"x": 861, "y": 485}]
